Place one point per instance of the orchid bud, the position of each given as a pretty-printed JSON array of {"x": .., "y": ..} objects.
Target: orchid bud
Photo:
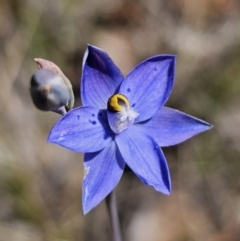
[{"x": 50, "y": 88}]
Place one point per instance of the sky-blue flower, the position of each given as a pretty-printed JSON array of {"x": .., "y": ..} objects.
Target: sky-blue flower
[{"x": 123, "y": 121}]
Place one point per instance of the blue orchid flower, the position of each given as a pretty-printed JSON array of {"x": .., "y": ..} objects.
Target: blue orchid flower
[{"x": 123, "y": 121}]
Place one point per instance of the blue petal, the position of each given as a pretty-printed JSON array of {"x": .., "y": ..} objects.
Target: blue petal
[
  {"x": 170, "y": 127},
  {"x": 145, "y": 158},
  {"x": 149, "y": 85},
  {"x": 103, "y": 171},
  {"x": 84, "y": 129},
  {"x": 100, "y": 78}
]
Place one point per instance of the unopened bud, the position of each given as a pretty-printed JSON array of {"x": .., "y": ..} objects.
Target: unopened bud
[{"x": 50, "y": 88}]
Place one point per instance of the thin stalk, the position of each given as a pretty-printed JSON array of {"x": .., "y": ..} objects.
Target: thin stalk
[{"x": 113, "y": 216}]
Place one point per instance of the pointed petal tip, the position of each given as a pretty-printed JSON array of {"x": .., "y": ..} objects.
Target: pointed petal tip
[
  {"x": 85, "y": 211},
  {"x": 49, "y": 136},
  {"x": 165, "y": 189},
  {"x": 91, "y": 47},
  {"x": 52, "y": 139},
  {"x": 172, "y": 57},
  {"x": 210, "y": 126},
  {"x": 49, "y": 139},
  {"x": 207, "y": 126},
  {"x": 167, "y": 193},
  {"x": 86, "y": 208},
  {"x": 88, "y": 204},
  {"x": 174, "y": 60}
]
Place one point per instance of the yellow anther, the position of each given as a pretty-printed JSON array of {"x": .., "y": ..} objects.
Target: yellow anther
[{"x": 116, "y": 102}]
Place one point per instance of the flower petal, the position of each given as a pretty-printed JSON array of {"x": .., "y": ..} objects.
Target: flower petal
[
  {"x": 149, "y": 85},
  {"x": 170, "y": 127},
  {"x": 145, "y": 158},
  {"x": 103, "y": 171},
  {"x": 84, "y": 129},
  {"x": 100, "y": 78}
]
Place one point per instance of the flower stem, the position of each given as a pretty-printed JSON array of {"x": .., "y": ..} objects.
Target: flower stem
[{"x": 113, "y": 216}]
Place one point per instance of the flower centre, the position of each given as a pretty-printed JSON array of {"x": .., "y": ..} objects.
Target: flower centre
[
  {"x": 120, "y": 114},
  {"x": 116, "y": 103}
]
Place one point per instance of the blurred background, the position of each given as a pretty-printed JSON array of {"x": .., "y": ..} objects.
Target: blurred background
[{"x": 40, "y": 183}]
